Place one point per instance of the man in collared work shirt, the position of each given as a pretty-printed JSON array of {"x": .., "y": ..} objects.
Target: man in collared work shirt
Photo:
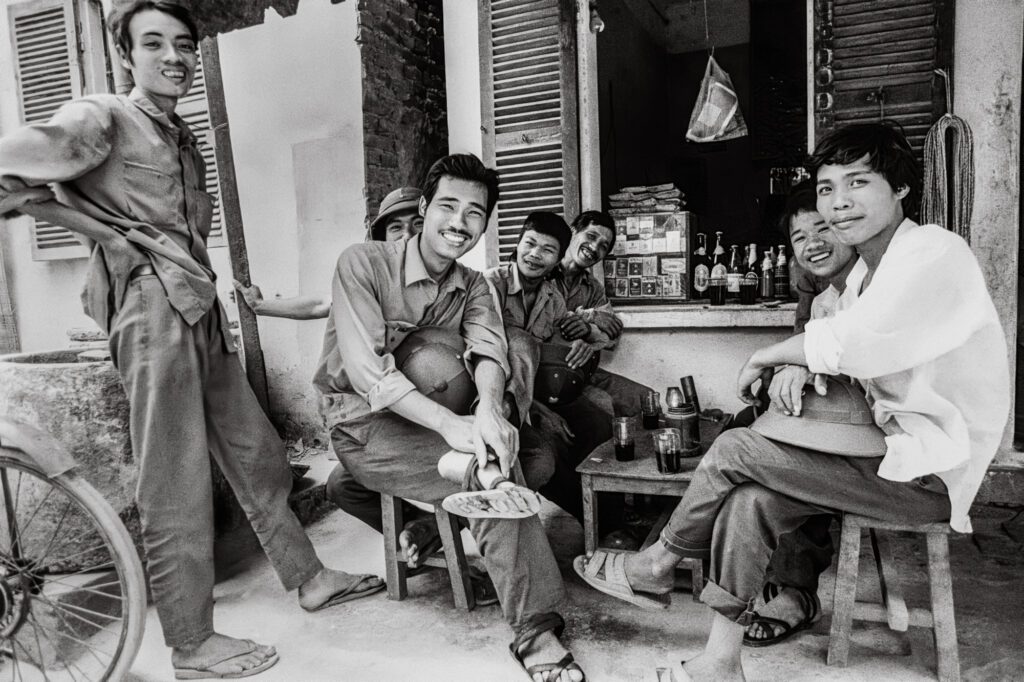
[
  {"x": 132, "y": 163},
  {"x": 593, "y": 236},
  {"x": 917, "y": 329},
  {"x": 389, "y": 436}
]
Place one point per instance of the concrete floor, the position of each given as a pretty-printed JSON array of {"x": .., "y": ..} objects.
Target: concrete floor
[{"x": 424, "y": 638}]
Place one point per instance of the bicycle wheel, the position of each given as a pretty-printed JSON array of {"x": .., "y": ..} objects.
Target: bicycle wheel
[{"x": 72, "y": 591}]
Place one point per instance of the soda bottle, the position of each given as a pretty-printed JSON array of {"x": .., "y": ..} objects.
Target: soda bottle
[
  {"x": 749, "y": 285},
  {"x": 701, "y": 268},
  {"x": 734, "y": 276},
  {"x": 781, "y": 275},
  {"x": 767, "y": 277}
]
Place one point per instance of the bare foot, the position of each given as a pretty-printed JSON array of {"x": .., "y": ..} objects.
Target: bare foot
[
  {"x": 419, "y": 539},
  {"x": 647, "y": 574},
  {"x": 703, "y": 668},
  {"x": 786, "y": 606},
  {"x": 219, "y": 655},
  {"x": 330, "y": 584},
  {"x": 545, "y": 648}
]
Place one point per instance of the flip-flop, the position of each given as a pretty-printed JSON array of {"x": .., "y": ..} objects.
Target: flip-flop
[
  {"x": 614, "y": 582},
  {"x": 207, "y": 672},
  {"x": 349, "y": 593},
  {"x": 504, "y": 502},
  {"x": 809, "y": 605},
  {"x": 544, "y": 623}
]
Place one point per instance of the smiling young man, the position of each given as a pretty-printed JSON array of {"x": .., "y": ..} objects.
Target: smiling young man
[
  {"x": 593, "y": 236},
  {"x": 916, "y": 329},
  {"x": 132, "y": 164},
  {"x": 389, "y": 436}
]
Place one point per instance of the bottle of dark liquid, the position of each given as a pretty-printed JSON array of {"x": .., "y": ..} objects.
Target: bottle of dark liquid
[
  {"x": 749, "y": 285},
  {"x": 767, "y": 277},
  {"x": 719, "y": 275},
  {"x": 781, "y": 275},
  {"x": 701, "y": 276},
  {"x": 734, "y": 275}
]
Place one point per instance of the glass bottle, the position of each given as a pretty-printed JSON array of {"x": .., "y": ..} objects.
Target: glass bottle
[
  {"x": 781, "y": 275},
  {"x": 734, "y": 276},
  {"x": 701, "y": 275}
]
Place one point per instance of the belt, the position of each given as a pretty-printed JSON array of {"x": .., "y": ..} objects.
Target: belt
[{"x": 141, "y": 271}]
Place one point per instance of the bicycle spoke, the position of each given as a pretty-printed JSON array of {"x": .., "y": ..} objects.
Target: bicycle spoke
[
  {"x": 35, "y": 512},
  {"x": 65, "y": 608},
  {"x": 12, "y": 518},
  {"x": 35, "y": 630},
  {"x": 56, "y": 533},
  {"x": 39, "y": 645},
  {"x": 91, "y": 649},
  {"x": 38, "y": 567},
  {"x": 39, "y": 665},
  {"x": 82, "y": 609}
]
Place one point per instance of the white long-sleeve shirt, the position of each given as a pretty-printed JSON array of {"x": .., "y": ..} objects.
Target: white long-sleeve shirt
[{"x": 925, "y": 341}]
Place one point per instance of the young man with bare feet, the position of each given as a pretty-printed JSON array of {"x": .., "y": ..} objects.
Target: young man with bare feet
[
  {"x": 398, "y": 217},
  {"x": 130, "y": 169},
  {"x": 916, "y": 328},
  {"x": 389, "y": 436}
]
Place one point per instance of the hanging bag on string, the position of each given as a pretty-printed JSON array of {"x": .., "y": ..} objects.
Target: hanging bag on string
[{"x": 716, "y": 115}]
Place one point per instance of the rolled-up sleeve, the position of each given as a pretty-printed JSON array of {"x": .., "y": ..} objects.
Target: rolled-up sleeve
[
  {"x": 361, "y": 333},
  {"x": 922, "y": 303},
  {"x": 77, "y": 139},
  {"x": 482, "y": 326}
]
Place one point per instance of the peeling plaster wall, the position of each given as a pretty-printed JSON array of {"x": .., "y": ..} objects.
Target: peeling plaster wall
[
  {"x": 292, "y": 90},
  {"x": 987, "y": 94}
]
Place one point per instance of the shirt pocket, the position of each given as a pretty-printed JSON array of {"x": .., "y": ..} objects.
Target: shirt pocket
[{"x": 152, "y": 196}]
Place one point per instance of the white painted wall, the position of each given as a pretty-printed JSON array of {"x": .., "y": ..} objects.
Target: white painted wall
[
  {"x": 987, "y": 94},
  {"x": 294, "y": 98}
]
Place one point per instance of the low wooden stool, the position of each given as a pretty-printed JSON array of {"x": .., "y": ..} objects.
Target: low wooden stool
[
  {"x": 893, "y": 609},
  {"x": 454, "y": 559}
]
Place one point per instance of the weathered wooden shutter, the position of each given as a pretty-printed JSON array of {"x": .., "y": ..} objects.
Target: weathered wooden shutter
[
  {"x": 876, "y": 59},
  {"x": 48, "y": 70},
  {"x": 195, "y": 110},
  {"x": 529, "y": 109}
]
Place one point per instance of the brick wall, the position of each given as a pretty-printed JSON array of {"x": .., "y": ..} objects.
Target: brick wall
[{"x": 404, "y": 111}]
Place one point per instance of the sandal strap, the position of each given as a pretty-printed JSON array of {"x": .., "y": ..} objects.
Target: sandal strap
[{"x": 536, "y": 625}]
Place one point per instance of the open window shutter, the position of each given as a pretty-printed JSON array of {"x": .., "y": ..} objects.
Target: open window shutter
[
  {"x": 195, "y": 110},
  {"x": 48, "y": 70},
  {"x": 529, "y": 109},
  {"x": 876, "y": 59}
]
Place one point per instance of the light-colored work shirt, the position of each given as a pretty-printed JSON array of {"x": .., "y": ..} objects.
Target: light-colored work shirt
[
  {"x": 542, "y": 317},
  {"x": 583, "y": 295},
  {"x": 124, "y": 162},
  {"x": 381, "y": 292},
  {"x": 925, "y": 341}
]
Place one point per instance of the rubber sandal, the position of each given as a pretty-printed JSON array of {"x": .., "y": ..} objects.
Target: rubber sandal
[
  {"x": 508, "y": 501},
  {"x": 207, "y": 672},
  {"x": 349, "y": 593},
  {"x": 614, "y": 582},
  {"x": 539, "y": 625},
  {"x": 809, "y": 605}
]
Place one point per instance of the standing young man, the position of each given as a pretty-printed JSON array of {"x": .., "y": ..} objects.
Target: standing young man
[
  {"x": 593, "y": 236},
  {"x": 132, "y": 163},
  {"x": 917, "y": 329},
  {"x": 389, "y": 436}
]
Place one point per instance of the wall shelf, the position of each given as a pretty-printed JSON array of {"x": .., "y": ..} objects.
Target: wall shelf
[{"x": 703, "y": 315}]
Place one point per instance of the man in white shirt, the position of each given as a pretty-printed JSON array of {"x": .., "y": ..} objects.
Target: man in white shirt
[{"x": 917, "y": 329}]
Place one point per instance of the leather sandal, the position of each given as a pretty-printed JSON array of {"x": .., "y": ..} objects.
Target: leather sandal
[
  {"x": 809, "y": 605},
  {"x": 537, "y": 626}
]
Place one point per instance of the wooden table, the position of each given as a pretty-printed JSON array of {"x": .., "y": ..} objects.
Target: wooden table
[{"x": 601, "y": 472}]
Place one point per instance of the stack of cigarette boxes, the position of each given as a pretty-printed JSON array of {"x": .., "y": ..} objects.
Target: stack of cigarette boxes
[
  {"x": 651, "y": 257},
  {"x": 666, "y": 198}
]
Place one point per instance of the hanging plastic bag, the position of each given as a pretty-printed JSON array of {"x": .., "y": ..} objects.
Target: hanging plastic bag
[{"x": 716, "y": 115}]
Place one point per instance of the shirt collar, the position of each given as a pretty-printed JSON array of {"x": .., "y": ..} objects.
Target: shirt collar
[
  {"x": 515, "y": 285},
  {"x": 416, "y": 269},
  {"x": 860, "y": 268},
  {"x": 172, "y": 122}
]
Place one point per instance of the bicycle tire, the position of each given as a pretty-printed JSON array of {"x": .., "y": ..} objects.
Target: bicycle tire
[{"x": 117, "y": 540}]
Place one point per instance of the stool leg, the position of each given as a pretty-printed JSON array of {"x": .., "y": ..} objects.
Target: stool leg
[
  {"x": 941, "y": 583},
  {"x": 455, "y": 558},
  {"x": 391, "y": 511},
  {"x": 889, "y": 581},
  {"x": 845, "y": 594}
]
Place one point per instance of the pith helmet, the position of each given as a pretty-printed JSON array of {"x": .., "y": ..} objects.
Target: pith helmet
[
  {"x": 556, "y": 383},
  {"x": 839, "y": 422},
  {"x": 432, "y": 359},
  {"x": 401, "y": 199}
]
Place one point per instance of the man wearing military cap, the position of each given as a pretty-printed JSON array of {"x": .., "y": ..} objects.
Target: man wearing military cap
[{"x": 131, "y": 165}]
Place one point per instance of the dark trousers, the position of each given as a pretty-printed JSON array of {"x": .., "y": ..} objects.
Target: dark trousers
[
  {"x": 387, "y": 453},
  {"x": 748, "y": 492},
  {"x": 189, "y": 399}
]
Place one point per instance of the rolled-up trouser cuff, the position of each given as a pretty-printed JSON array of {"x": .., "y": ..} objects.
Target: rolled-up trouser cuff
[
  {"x": 679, "y": 546},
  {"x": 730, "y": 606}
]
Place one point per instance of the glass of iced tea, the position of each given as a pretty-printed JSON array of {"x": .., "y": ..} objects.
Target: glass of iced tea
[{"x": 624, "y": 438}]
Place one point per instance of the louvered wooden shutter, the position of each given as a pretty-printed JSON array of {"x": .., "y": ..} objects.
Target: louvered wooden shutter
[
  {"x": 49, "y": 73},
  {"x": 529, "y": 110},
  {"x": 877, "y": 59},
  {"x": 195, "y": 110}
]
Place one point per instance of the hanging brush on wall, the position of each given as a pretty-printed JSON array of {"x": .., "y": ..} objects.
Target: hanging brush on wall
[{"x": 948, "y": 193}]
